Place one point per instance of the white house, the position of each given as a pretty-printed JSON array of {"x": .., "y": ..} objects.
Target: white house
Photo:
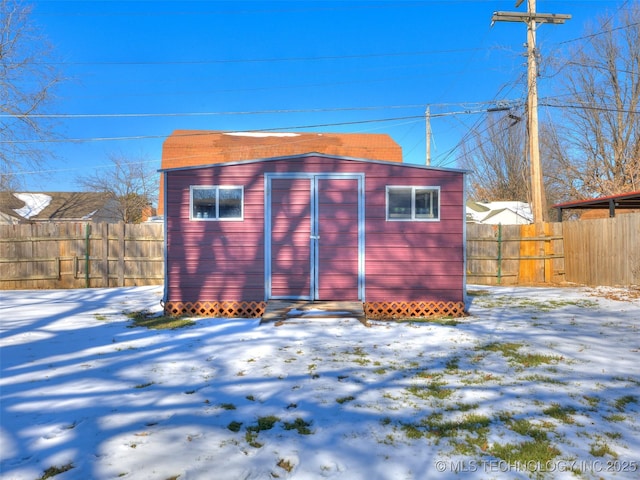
[{"x": 494, "y": 213}]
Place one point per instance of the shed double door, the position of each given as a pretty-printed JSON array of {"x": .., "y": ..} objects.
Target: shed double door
[{"x": 314, "y": 237}]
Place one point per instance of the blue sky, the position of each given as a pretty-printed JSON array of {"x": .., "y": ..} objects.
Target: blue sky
[{"x": 140, "y": 69}]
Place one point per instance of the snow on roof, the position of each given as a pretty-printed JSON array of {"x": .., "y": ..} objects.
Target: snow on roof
[
  {"x": 89, "y": 215},
  {"x": 34, "y": 203},
  {"x": 262, "y": 134}
]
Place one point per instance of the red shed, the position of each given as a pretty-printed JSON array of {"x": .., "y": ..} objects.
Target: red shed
[{"x": 252, "y": 217}]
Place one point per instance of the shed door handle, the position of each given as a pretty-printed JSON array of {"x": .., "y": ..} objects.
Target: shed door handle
[{"x": 315, "y": 237}]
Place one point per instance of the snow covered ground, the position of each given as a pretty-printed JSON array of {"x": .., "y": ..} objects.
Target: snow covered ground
[{"x": 537, "y": 382}]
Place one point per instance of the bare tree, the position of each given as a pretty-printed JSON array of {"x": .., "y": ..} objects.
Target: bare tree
[
  {"x": 27, "y": 82},
  {"x": 497, "y": 158},
  {"x": 132, "y": 184},
  {"x": 601, "y": 146}
]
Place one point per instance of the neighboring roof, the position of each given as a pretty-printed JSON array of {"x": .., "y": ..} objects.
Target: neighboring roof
[
  {"x": 477, "y": 207},
  {"x": 612, "y": 202},
  {"x": 45, "y": 206},
  {"x": 186, "y": 148},
  {"x": 486, "y": 212}
]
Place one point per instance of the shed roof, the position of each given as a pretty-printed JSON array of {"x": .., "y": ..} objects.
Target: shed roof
[{"x": 185, "y": 148}]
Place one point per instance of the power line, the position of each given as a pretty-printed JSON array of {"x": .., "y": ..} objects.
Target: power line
[
  {"x": 143, "y": 137},
  {"x": 244, "y": 112},
  {"x": 262, "y": 60},
  {"x": 205, "y": 114}
]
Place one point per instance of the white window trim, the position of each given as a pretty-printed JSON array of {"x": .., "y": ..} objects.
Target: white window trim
[
  {"x": 413, "y": 203},
  {"x": 217, "y": 189}
]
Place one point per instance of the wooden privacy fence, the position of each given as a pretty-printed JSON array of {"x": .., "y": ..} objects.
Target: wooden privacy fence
[
  {"x": 603, "y": 251},
  {"x": 515, "y": 254},
  {"x": 77, "y": 255}
]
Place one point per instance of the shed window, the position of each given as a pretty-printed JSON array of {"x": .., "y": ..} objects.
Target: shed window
[
  {"x": 413, "y": 203},
  {"x": 217, "y": 203}
]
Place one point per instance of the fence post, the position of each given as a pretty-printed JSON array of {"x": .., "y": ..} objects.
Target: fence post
[
  {"x": 87, "y": 235},
  {"x": 104, "y": 227},
  {"x": 121, "y": 253},
  {"x": 548, "y": 252},
  {"x": 499, "y": 253}
]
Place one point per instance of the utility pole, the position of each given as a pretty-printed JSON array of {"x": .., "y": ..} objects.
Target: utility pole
[
  {"x": 428, "y": 119},
  {"x": 531, "y": 18}
]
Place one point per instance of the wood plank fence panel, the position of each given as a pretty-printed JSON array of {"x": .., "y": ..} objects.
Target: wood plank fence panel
[
  {"x": 77, "y": 255},
  {"x": 515, "y": 254},
  {"x": 604, "y": 251}
]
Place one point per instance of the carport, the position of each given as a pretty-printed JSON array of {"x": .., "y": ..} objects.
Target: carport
[{"x": 625, "y": 201}]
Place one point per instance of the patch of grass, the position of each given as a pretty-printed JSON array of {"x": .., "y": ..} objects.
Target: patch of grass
[
  {"x": 346, "y": 399},
  {"x": 511, "y": 351},
  {"x": 601, "y": 449},
  {"x": 478, "y": 293},
  {"x": 528, "y": 454},
  {"x": 286, "y": 465},
  {"x": 506, "y": 349},
  {"x": 264, "y": 423},
  {"x": 616, "y": 417},
  {"x": 300, "y": 425},
  {"x": 360, "y": 354},
  {"x": 622, "y": 402},
  {"x": 452, "y": 365},
  {"x": 100, "y": 317},
  {"x": 235, "y": 426},
  {"x": 252, "y": 439},
  {"x": 312, "y": 370},
  {"x": 443, "y": 321},
  {"x": 227, "y": 406},
  {"x": 529, "y": 304},
  {"x": 53, "y": 471},
  {"x": 543, "y": 379},
  {"x": 473, "y": 425},
  {"x": 380, "y": 371},
  {"x": 143, "y": 385},
  {"x": 526, "y": 428},
  {"x": 479, "y": 378},
  {"x": 412, "y": 432},
  {"x": 152, "y": 321},
  {"x": 434, "y": 389},
  {"x": 427, "y": 374},
  {"x": 535, "y": 359},
  {"x": 469, "y": 423},
  {"x": 462, "y": 407},
  {"x": 561, "y": 413}
]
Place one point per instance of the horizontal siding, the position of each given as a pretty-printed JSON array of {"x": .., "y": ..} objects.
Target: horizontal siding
[
  {"x": 414, "y": 261},
  {"x": 404, "y": 293},
  {"x": 215, "y": 260},
  {"x": 423, "y": 268}
]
